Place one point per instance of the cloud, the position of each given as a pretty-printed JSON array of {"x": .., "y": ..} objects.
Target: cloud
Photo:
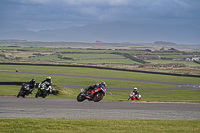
[{"x": 94, "y": 11}]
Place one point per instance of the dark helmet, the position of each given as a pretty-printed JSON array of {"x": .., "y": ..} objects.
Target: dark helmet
[
  {"x": 103, "y": 83},
  {"x": 33, "y": 80}
]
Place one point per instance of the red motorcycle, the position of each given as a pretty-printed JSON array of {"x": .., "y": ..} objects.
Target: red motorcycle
[
  {"x": 95, "y": 95},
  {"x": 132, "y": 96}
]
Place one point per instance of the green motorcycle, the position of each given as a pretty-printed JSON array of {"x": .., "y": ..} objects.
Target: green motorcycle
[{"x": 42, "y": 91}]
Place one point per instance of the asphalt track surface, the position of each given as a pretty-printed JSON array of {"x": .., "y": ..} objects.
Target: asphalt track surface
[{"x": 12, "y": 107}]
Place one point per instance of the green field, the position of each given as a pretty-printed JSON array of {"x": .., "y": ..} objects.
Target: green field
[
  {"x": 27, "y": 125},
  {"x": 189, "y": 63},
  {"x": 99, "y": 72},
  {"x": 36, "y": 52},
  {"x": 88, "y": 56},
  {"x": 117, "y": 95}
]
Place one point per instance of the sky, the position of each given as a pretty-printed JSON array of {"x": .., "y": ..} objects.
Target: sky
[{"x": 38, "y": 15}]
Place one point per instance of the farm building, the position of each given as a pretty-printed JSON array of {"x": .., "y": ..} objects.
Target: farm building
[{"x": 190, "y": 58}]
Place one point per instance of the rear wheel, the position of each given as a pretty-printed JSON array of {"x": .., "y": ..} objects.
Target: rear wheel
[
  {"x": 80, "y": 97},
  {"x": 139, "y": 97},
  {"x": 98, "y": 97},
  {"x": 44, "y": 96}
]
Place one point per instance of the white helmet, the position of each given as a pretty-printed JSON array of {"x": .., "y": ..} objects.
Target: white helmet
[{"x": 135, "y": 89}]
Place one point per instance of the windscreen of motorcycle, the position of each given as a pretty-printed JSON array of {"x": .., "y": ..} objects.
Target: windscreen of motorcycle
[
  {"x": 103, "y": 89},
  {"x": 26, "y": 87},
  {"x": 131, "y": 94}
]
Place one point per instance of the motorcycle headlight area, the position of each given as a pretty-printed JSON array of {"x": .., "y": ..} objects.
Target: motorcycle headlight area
[
  {"x": 82, "y": 90},
  {"x": 26, "y": 88}
]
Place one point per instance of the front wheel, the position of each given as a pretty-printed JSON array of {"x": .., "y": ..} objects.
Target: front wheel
[
  {"x": 24, "y": 95},
  {"x": 36, "y": 95},
  {"x": 80, "y": 97},
  {"x": 98, "y": 97},
  {"x": 18, "y": 95}
]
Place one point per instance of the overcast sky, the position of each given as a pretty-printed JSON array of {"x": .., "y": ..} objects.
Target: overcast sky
[{"x": 58, "y": 14}]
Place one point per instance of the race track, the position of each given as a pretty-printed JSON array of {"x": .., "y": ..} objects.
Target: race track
[{"x": 12, "y": 107}]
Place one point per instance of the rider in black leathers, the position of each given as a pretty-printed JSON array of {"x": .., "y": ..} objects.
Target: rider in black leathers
[
  {"x": 32, "y": 85},
  {"x": 92, "y": 87}
]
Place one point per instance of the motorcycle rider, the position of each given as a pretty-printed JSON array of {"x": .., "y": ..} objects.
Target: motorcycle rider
[
  {"x": 92, "y": 87},
  {"x": 102, "y": 84},
  {"x": 135, "y": 90},
  {"x": 48, "y": 83},
  {"x": 32, "y": 85}
]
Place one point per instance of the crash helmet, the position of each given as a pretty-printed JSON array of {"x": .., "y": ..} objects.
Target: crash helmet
[
  {"x": 33, "y": 80},
  {"x": 103, "y": 83},
  {"x": 48, "y": 78},
  {"x": 135, "y": 89},
  {"x": 97, "y": 84}
]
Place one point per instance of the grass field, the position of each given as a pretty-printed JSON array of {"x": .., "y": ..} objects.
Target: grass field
[
  {"x": 189, "y": 63},
  {"x": 27, "y": 125},
  {"x": 87, "y": 56},
  {"x": 117, "y": 95},
  {"x": 99, "y": 72}
]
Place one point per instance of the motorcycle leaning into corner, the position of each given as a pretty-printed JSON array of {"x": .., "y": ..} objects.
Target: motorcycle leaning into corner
[
  {"x": 132, "y": 96},
  {"x": 42, "y": 91},
  {"x": 24, "y": 91},
  {"x": 96, "y": 95}
]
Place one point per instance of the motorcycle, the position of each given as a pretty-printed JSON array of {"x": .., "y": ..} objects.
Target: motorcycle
[
  {"x": 133, "y": 97},
  {"x": 24, "y": 91},
  {"x": 96, "y": 95},
  {"x": 42, "y": 91}
]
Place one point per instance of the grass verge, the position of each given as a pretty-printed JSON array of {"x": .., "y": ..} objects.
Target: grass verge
[
  {"x": 99, "y": 72},
  {"x": 28, "y": 125},
  {"x": 117, "y": 95}
]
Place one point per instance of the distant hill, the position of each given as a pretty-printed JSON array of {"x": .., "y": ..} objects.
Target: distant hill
[
  {"x": 9, "y": 27},
  {"x": 120, "y": 31}
]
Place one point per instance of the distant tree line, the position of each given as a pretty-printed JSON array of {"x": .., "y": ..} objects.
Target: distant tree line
[{"x": 165, "y": 43}]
